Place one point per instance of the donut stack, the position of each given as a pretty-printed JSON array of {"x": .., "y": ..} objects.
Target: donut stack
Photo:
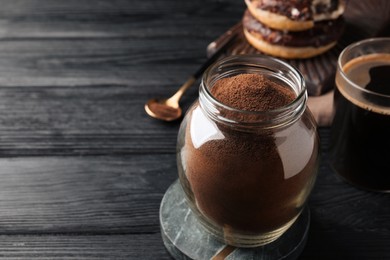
[{"x": 293, "y": 29}]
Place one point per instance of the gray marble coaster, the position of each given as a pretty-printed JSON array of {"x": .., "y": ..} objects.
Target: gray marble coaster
[{"x": 185, "y": 238}]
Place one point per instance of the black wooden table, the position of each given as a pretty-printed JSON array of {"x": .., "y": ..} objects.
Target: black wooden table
[{"x": 83, "y": 169}]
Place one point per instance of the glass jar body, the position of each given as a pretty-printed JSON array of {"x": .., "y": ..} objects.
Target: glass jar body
[{"x": 247, "y": 183}]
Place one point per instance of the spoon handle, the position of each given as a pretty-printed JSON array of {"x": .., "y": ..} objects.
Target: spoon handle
[
  {"x": 174, "y": 100},
  {"x": 227, "y": 42}
]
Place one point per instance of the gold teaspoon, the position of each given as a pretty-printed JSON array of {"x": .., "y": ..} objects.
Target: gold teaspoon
[{"x": 169, "y": 109}]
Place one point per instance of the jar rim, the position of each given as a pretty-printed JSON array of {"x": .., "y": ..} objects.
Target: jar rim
[{"x": 259, "y": 60}]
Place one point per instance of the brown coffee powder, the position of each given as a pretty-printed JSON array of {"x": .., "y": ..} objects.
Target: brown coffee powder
[
  {"x": 239, "y": 181},
  {"x": 252, "y": 92}
]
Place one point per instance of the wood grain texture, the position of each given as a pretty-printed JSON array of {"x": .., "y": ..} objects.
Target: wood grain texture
[
  {"x": 92, "y": 195},
  {"x": 74, "y": 76},
  {"x": 83, "y": 247},
  {"x": 84, "y": 120}
]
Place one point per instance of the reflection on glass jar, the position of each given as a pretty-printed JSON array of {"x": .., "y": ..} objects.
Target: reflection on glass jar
[{"x": 247, "y": 174}]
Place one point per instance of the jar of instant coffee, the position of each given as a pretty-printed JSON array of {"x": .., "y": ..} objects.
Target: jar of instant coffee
[{"x": 248, "y": 150}]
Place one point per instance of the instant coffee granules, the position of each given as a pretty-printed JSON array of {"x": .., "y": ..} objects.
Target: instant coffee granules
[
  {"x": 252, "y": 92},
  {"x": 248, "y": 152}
]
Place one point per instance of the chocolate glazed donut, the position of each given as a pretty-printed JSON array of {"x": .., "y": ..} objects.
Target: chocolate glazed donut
[
  {"x": 292, "y": 44},
  {"x": 294, "y": 15},
  {"x": 321, "y": 34}
]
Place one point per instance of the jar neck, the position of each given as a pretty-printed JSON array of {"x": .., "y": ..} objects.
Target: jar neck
[{"x": 273, "y": 69}]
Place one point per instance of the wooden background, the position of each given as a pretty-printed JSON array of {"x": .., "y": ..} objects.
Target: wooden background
[{"x": 83, "y": 169}]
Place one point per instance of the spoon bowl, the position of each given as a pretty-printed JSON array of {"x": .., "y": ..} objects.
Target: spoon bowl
[
  {"x": 168, "y": 109},
  {"x": 163, "y": 109}
]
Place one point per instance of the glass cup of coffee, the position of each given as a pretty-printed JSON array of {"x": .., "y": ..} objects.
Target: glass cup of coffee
[{"x": 360, "y": 134}]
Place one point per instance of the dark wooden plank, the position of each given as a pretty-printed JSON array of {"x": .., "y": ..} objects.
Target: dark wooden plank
[
  {"x": 88, "y": 120},
  {"x": 113, "y": 56},
  {"x": 86, "y": 42},
  {"x": 85, "y": 62},
  {"x": 115, "y": 18},
  {"x": 138, "y": 246},
  {"x": 109, "y": 81},
  {"x": 91, "y": 195}
]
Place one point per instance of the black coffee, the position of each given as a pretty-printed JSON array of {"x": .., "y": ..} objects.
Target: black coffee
[
  {"x": 361, "y": 127},
  {"x": 379, "y": 79}
]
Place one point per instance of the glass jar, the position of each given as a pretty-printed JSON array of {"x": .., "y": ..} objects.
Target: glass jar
[{"x": 247, "y": 175}]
